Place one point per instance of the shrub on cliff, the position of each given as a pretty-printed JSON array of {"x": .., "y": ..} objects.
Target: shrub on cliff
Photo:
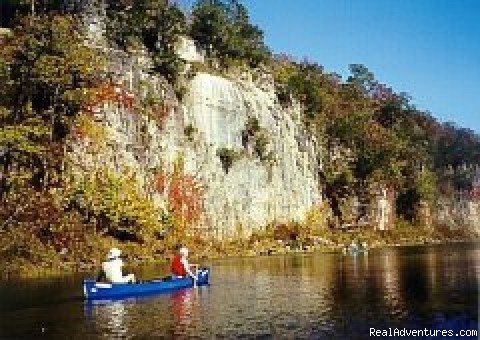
[
  {"x": 190, "y": 131},
  {"x": 228, "y": 156},
  {"x": 256, "y": 136}
]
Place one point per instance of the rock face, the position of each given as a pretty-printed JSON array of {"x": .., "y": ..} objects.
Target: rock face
[
  {"x": 384, "y": 215},
  {"x": 252, "y": 157},
  {"x": 461, "y": 209},
  {"x": 187, "y": 50},
  {"x": 252, "y": 192}
]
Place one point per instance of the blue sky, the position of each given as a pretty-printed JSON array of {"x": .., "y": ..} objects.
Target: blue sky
[{"x": 427, "y": 48}]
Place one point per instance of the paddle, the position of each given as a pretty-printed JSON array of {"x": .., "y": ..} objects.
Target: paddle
[{"x": 195, "y": 267}]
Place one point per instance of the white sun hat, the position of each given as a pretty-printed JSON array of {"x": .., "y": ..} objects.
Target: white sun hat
[
  {"x": 114, "y": 253},
  {"x": 183, "y": 251}
]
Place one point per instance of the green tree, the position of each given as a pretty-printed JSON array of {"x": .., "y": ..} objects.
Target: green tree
[
  {"x": 155, "y": 24},
  {"x": 47, "y": 71},
  {"x": 209, "y": 26},
  {"x": 224, "y": 31},
  {"x": 361, "y": 77}
]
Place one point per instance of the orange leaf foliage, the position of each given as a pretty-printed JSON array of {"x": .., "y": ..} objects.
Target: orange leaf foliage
[
  {"x": 185, "y": 195},
  {"x": 110, "y": 93},
  {"x": 161, "y": 113}
]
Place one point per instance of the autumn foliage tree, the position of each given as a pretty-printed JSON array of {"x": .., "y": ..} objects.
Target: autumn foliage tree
[
  {"x": 184, "y": 195},
  {"x": 372, "y": 134},
  {"x": 47, "y": 71}
]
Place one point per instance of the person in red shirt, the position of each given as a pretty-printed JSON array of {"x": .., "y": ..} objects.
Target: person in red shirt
[{"x": 181, "y": 267}]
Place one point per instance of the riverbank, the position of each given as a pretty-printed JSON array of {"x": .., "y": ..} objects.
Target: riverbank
[
  {"x": 336, "y": 241},
  {"x": 33, "y": 259}
]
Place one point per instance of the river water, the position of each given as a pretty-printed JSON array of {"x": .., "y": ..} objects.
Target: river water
[{"x": 324, "y": 296}]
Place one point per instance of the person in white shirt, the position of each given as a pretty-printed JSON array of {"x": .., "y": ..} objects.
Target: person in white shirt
[{"x": 112, "y": 268}]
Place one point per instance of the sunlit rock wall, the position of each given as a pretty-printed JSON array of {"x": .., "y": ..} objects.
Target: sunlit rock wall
[
  {"x": 252, "y": 193},
  {"x": 188, "y": 51}
]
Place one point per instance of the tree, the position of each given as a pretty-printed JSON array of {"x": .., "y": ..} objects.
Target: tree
[
  {"x": 155, "y": 24},
  {"x": 12, "y": 9},
  {"x": 47, "y": 70},
  {"x": 361, "y": 77},
  {"x": 209, "y": 26},
  {"x": 224, "y": 31}
]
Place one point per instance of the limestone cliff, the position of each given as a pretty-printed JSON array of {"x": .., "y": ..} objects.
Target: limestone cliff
[{"x": 250, "y": 155}]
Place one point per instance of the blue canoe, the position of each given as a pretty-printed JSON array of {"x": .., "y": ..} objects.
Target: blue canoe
[{"x": 93, "y": 290}]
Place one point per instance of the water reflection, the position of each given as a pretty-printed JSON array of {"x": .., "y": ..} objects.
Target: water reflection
[
  {"x": 112, "y": 316},
  {"x": 318, "y": 296},
  {"x": 185, "y": 310},
  {"x": 391, "y": 286}
]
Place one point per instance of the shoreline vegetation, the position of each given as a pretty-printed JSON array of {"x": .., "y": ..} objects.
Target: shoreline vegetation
[{"x": 262, "y": 243}]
